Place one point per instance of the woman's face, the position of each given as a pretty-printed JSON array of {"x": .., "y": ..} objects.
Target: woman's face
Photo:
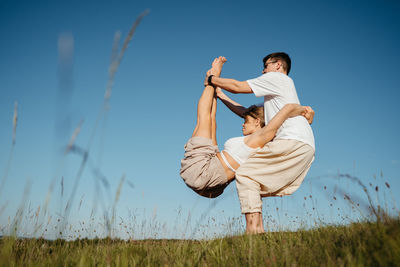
[{"x": 250, "y": 125}]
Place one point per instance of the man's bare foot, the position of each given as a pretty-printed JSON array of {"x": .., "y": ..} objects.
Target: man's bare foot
[{"x": 217, "y": 66}]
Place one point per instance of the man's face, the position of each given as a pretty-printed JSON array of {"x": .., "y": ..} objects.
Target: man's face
[{"x": 270, "y": 65}]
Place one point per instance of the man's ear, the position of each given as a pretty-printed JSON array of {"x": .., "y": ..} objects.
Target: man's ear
[
  {"x": 258, "y": 122},
  {"x": 279, "y": 65}
]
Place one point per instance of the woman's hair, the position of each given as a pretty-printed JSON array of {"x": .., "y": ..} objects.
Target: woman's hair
[{"x": 256, "y": 112}]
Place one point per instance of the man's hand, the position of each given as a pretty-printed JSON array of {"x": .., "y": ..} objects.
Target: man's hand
[{"x": 206, "y": 79}]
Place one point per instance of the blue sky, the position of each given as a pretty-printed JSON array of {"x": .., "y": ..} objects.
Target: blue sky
[{"x": 344, "y": 56}]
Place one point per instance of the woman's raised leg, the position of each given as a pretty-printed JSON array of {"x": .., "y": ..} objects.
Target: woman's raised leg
[
  {"x": 203, "y": 126},
  {"x": 214, "y": 120},
  {"x": 205, "y": 111}
]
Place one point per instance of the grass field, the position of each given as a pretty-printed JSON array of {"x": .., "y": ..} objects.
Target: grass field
[
  {"x": 371, "y": 242},
  {"x": 357, "y": 244}
]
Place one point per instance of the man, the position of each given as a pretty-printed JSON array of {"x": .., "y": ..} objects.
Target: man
[{"x": 280, "y": 166}]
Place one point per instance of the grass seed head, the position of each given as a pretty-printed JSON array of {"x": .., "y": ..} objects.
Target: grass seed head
[{"x": 15, "y": 120}]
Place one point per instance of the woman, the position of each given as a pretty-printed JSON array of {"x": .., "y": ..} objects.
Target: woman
[{"x": 208, "y": 171}]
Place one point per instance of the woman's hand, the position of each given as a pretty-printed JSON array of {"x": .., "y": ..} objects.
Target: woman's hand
[
  {"x": 219, "y": 93},
  {"x": 309, "y": 114},
  {"x": 296, "y": 110}
]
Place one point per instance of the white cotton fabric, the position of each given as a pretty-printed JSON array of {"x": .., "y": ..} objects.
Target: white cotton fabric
[
  {"x": 237, "y": 149},
  {"x": 227, "y": 163},
  {"x": 277, "y": 169},
  {"x": 278, "y": 89}
]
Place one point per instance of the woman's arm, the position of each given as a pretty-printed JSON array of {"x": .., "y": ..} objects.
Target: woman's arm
[
  {"x": 268, "y": 132},
  {"x": 231, "y": 104}
]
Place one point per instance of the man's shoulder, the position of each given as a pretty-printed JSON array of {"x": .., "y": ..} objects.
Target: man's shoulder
[
  {"x": 271, "y": 83},
  {"x": 278, "y": 76},
  {"x": 281, "y": 80}
]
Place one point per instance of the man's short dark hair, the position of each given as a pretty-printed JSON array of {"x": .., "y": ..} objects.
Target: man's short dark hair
[{"x": 283, "y": 57}]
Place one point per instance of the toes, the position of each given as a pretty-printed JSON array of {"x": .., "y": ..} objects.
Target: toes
[{"x": 222, "y": 60}]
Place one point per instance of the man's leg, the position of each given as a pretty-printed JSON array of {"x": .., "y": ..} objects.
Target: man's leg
[
  {"x": 250, "y": 202},
  {"x": 254, "y": 223},
  {"x": 271, "y": 172}
]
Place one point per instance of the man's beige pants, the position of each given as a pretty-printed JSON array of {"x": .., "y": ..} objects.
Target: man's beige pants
[{"x": 277, "y": 169}]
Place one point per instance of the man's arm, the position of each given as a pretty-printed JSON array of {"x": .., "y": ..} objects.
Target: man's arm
[
  {"x": 231, "y": 104},
  {"x": 230, "y": 85}
]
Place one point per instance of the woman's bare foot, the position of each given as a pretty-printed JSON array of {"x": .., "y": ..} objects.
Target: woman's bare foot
[{"x": 217, "y": 66}]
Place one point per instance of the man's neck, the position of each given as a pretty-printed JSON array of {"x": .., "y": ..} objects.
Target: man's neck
[{"x": 283, "y": 72}]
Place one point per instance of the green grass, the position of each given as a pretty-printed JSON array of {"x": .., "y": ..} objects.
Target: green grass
[{"x": 358, "y": 244}]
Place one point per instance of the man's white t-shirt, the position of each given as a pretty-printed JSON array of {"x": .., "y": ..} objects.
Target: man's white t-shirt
[{"x": 278, "y": 89}]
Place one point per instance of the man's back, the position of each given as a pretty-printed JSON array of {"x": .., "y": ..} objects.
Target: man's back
[{"x": 278, "y": 89}]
